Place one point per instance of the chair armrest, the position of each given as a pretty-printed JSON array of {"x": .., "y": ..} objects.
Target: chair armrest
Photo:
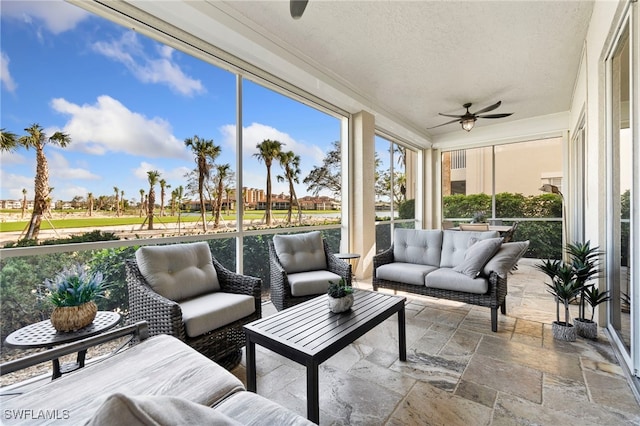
[
  {"x": 232, "y": 282},
  {"x": 383, "y": 258},
  {"x": 164, "y": 315},
  {"x": 337, "y": 266}
]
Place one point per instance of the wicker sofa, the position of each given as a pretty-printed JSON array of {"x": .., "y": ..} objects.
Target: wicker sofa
[
  {"x": 175, "y": 294},
  {"x": 465, "y": 266},
  {"x": 160, "y": 380}
]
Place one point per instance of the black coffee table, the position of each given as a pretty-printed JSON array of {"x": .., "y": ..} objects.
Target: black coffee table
[
  {"x": 43, "y": 335},
  {"x": 309, "y": 334}
]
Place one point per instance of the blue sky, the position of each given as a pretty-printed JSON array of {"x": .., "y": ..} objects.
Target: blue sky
[{"x": 128, "y": 103}]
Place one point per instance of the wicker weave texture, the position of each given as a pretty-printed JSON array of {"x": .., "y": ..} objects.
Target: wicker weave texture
[
  {"x": 494, "y": 298},
  {"x": 165, "y": 316},
  {"x": 281, "y": 295}
]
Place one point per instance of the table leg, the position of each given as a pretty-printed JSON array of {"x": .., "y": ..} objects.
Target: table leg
[
  {"x": 251, "y": 365},
  {"x": 56, "y": 369},
  {"x": 402, "y": 334},
  {"x": 313, "y": 396},
  {"x": 81, "y": 357}
]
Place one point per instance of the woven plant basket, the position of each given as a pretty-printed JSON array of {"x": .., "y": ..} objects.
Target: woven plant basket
[
  {"x": 561, "y": 331},
  {"x": 587, "y": 328},
  {"x": 72, "y": 318}
]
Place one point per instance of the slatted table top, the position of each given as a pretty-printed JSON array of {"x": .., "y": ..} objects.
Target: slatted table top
[
  {"x": 42, "y": 334},
  {"x": 310, "y": 330}
]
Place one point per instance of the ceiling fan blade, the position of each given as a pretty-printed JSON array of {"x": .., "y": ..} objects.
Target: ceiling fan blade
[
  {"x": 296, "y": 7},
  {"x": 495, "y": 115},
  {"x": 489, "y": 108},
  {"x": 450, "y": 115},
  {"x": 443, "y": 124}
]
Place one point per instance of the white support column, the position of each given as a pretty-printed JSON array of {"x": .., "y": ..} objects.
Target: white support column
[{"x": 361, "y": 191}]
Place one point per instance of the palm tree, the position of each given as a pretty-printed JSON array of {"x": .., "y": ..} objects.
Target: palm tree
[
  {"x": 268, "y": 150},
  {"x": 90, "y": 203},
  {"x": 141, "y": 201},
  {"x": 8, "y": 140},
  {"x": 205, "y": 152},
  {"x": 222, "y": 171},
  {"x": 37, "y": 139},
  {"x": 24, "y": 202},
  {"x": 163, "y": 187},
  {"x": 122, "y": 201},
  {"x": 117, "y": 191},
  {"x": 291, "y": 165},
  {"x": 153, "y": 180}
]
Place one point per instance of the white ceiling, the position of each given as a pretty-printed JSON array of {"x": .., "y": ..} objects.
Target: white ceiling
[{"x": 406, "y": 61}]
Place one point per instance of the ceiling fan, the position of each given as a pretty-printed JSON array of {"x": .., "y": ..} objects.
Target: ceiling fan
[
  {"x": 296, "y": 7},
  {"x": 468, "y": 119}
]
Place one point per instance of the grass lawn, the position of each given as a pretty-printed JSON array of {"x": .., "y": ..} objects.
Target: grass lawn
[{"x": 97, "y": 222}]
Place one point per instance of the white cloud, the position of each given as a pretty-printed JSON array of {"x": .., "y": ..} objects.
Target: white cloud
[
  {"x": 108, "y": 126},
  {"x": 172, "y": 175},
  {"x": 5, "y": 74},
  {"x": 11, "y": 157},
  {"x": 59, "y": 167},
  {"x": 12, "y": 185},
  {"x": 57, "y": 16},
  {"x": 130, "y": 52},
  {"x": 256, "y": 133}
]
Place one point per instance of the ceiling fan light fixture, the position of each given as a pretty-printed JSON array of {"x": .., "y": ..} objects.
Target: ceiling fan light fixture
[{"x": 468, "y": 123}]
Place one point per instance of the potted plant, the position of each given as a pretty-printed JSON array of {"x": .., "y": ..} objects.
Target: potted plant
[
  {"x": 73, "y": 293},
  {"x": 565, "y": 288},
  {"x": 584, "y": 261},
  {"x": 340, "y": 296}
]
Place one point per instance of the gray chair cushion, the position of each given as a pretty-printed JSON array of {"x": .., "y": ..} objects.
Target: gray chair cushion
[
  {"x": 506, "y": 258},
  {"x": 456, "y": 243},
  {"x": 448, "y": 279},
  {"x": 178, "y": 271},
  {"x": 408, "y": 273},
  {"x": 300, "y": 252},
  {"x": 312, "y": 282},
  {"x": 251, "y": 409},
  {"x": 417, "y": 246},
  {"x": 148, "y": 410},
  {"x": 477, "y": 256},
  {"x": 214, "y": 310}
]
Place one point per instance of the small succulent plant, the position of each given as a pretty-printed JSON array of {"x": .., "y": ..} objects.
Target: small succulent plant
[
  {"x": 74, "y": 286},
  {"x": 339, "y": 289}
]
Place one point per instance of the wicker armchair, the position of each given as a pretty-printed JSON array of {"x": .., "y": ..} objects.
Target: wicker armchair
[
  {"x": 165, "y": 316},
  {"x": 281, "y": 293}
]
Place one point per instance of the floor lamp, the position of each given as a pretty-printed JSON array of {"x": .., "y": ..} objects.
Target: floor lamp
[{"x": 553, "y": 189}]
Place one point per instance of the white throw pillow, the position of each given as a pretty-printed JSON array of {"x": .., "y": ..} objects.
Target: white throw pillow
[
  {"x": 477, "y": 255},
  {"x": 507, "y": 256}
]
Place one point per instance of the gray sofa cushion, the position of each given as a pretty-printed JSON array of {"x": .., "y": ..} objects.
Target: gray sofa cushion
[
  {"x": 211, "y": 311},
  {"x": 300, "y": 252},
  {"x": 156, "y": 410},
  {"x": 417, "y": 246},
  {"x": 409, "y": 273},
  {"x": 448, "y": 279},
  {"x": 506, "y": 258},
  {"x": 477, "y": 256},
  {"x": 312, "y": 282},
  {"x": 456, "y": 243},
  {"x": 251, "y": 409},
  {"x": 178, "y": 271}
]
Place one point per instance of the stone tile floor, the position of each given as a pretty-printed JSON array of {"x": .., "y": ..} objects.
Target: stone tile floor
[{"x": 460, "y": 373}]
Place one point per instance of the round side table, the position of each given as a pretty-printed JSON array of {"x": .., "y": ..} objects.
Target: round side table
[
  {"x": 43, "y": 335},
  {"x": 353, "y": 259}
]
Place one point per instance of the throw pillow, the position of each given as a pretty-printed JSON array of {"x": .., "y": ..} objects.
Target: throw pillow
[
  {"x": 119, "y": 409},
  {"x": 506, "y": 258},
  {"x": 477, "y": 255}
]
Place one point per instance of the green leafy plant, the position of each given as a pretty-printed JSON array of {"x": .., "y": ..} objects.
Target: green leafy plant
[
  {"x": 74, "y": 286},
  {"x": 339, "y": 289},
  {"x": 594, "y": 297},
  {"x": 584, "y": 261},
  {"x": 565, "y": 288}
]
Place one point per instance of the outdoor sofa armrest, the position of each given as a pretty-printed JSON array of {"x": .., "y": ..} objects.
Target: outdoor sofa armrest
[{"x": 383, "y": 258}]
